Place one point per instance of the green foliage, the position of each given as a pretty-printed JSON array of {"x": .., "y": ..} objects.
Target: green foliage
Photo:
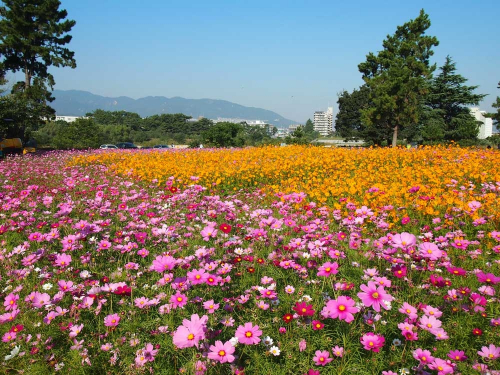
[
  {"x": 449, "y": 95},
  {"x": 348, "y": 123},
  {"x": 224, "y": 134},
  {"x": 397, "y": 76},
  {"x": 496, "y": 116},
  {"x": 298, "y": 137},
  {"x": 433, "y": 126},
  {"x": 80, "y": 134},
  {"x": 309, "y": 127},
  {"x": 33, "y": 34}
]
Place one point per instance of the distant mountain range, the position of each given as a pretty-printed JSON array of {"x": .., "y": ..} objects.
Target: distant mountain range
[{"x": 78, "y": 103}]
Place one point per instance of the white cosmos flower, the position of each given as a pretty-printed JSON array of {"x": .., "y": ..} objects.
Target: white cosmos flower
[
  {"x": 274, "y": 350},
  {"x": 13, "y": 353},
  {"x": 233, "y": 341}
]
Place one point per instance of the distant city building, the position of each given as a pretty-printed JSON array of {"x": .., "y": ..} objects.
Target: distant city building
[
  {"x": 323, "y": 121},
  {"x": 191, "y": 120},
  {"x": 486, "y": 127},
  {"x": 293, "y": 127},
  {"x": 260, "y": 123},
  {"x": 68, "y": 118}
]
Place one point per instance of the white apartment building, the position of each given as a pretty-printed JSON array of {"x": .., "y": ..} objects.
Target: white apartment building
[
  {"x": 68, "y": 118},
  {"x": 486, "y": 127},
  {"x": 323, "y": 121}
]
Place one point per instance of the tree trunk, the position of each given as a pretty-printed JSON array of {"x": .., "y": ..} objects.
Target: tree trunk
[
  {"x": 27, "y": 78},
  {"x": 395, "y": 137}
]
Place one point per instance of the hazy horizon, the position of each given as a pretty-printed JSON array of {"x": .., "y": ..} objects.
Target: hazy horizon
[{"x": 290, "y": 58}]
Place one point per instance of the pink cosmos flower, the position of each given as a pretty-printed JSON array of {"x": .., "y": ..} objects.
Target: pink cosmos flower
[
  {"x": 328, "y": 268},
  {"x": 190, "y": 332},
  {"x": 248, "y": 334},
  {"x": 373, "y": 342},
  {"x": 178, "y": 300},
  {"x": 432, "y": 311},
  {"x": 141, "y": 302},
  {"x": 342, "y": 308},
  {"x": 65, "y": 286},
  {"x": 112, "y": 320},
  {"x": 163, "y": 263},
  {"x": 457, "y": 355},
  {"x": 208, "y": 232},
  {"x": 75, "y": 330},
  {"x": 409, "y": 310},
  {"x": 63, "y": 260},
  {"x": 221, "y": 352},
  {"x": 429, "y": 322},
  {"x": 197, "y": 276},
  {"x": 404, "y": 240},
  {"x": 423, "y": 356},
  {"x": 338, "y": 351},
  {"x": 210, "y": 306},
  {"x": 441, "y": 366},
  {"x": 374, "y": 296},
  {"x": 490, "y": 352},
  {"x": 40, "y": 299},
  {"x": 10, "y": 301},
  {"x": 302, "y": 345},
  {"x": 104, "y": 245},
  {"x": 322, "y": 358},
  {"x": 430, "y": 251},
  {"x": 487, "y": 278}
]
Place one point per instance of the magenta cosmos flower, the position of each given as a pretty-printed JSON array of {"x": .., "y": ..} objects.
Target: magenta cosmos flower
[
  {"x": 248, "y": 334},
  {"x": 373, "y": 342},
  {"x": 342, "y": 308},
  {"x": 374, "y": 296},
  {"x": 322, "y": 358},
  {"x": 112, "y": 320},
  {"x": 303, "y": 309},
  {"x": 328, "y": 268},
  {"x": 221, "y": 352},
  {"x": 487, "y": 278}
]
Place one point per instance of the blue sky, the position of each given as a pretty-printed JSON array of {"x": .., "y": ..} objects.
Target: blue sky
[{"x": 292, "y": 57}]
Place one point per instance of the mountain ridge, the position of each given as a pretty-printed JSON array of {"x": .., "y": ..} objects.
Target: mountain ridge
[{"x": 79, "y": 102}]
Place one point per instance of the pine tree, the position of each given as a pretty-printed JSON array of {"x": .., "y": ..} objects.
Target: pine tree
[
  {"x": 448, "y": 97},
  {"x": 33, "y": 36},
  {"x": 398, "y": 77}
]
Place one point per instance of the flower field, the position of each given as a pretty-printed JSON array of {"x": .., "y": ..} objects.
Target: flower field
[{"x": 291, "y": 260}]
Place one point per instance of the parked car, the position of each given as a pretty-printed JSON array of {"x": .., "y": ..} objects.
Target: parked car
[
  {"x": 126, "y": 145},
  {"x": 161, "y": 146},
  {"x": 107, "y": 146}
]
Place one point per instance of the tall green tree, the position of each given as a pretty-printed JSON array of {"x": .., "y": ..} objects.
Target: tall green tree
[
  {"x": 33, "y": 36},
  {"x": 398, "y": 76},
  {"x": 224, "y": 134},
  {"x": 348, "y": 121},
  {"x": 448, "y": 97},
  {"x": 309, "y": 127}
]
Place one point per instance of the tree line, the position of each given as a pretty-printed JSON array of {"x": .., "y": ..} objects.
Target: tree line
[
  {"x": 401, "y": 99},
  {"x": 111, "y": 127}
]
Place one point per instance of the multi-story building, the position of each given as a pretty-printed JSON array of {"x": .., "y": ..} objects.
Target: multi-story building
[
  {"x": 323, "y": 121},
  {"x": 68, "y": 118},
  {"x": 486, "y": 127}
]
